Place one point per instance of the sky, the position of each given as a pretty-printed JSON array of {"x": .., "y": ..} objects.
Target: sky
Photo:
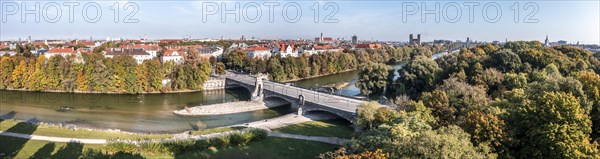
[{"x": 383, "y": 20}]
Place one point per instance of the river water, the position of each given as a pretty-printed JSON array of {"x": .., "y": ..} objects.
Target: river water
[
  {"x": 350, "y": 77},
  {"x": 137, "y": 113}
]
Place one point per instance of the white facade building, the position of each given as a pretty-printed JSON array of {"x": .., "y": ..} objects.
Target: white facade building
[
  {"x": 258, "y": 52},
  {"x": 138, "y": 54},
  {"x": 174, "y": 55}
]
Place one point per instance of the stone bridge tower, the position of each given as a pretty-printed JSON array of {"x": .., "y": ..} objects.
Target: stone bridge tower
[{"x": 258, "y": 93}]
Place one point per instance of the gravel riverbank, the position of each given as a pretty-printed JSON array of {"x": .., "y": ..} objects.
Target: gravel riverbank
[{"x": 229, "y": 108}]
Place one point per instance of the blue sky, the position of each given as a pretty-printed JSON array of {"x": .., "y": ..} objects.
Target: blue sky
[{"x": 378, "y": 20}]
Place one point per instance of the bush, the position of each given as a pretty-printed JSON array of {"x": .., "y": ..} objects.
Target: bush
[
  {"x": 154, "y": 147},
  {"x": 120, "y": 146},
  {"x": 234, "y": 139},
  {"x": 222, "y": 141},
  {"x": 258, "y": 134}
]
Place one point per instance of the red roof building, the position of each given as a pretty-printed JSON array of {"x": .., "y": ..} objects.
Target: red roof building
[
  {"x": 64, "y": 52},
  {"x": 368, "y": 46}
]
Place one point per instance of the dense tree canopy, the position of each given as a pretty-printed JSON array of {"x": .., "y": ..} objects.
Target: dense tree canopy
[
  {"x": 372, "y": 78},
  {"x": 517, "y": 100},
  {"x": 120, "y": 74}
]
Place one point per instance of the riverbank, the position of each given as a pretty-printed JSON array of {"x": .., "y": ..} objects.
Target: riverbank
[
  {"x": 210, "y": 85},
  {"x": 299, "y": 145},
  {"x": 230, "y": 108}
]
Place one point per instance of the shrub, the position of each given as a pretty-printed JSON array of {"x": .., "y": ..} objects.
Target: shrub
[{"x": 120, "y": 146}]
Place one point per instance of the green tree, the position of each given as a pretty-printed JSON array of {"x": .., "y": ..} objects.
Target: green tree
[
  {"x": 372, "y": 78},
  {"x": 505, "y": 61},
  {"x": 365, "y": 114},
  {"x": 555, "y": 126},
  {"x": 418, "y": 75},
  {"x": 220, "y": 68}
]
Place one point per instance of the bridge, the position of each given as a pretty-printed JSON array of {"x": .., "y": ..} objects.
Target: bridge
[{"x": 304, "y": 99}]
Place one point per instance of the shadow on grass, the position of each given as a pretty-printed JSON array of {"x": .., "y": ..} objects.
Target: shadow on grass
[
  {"x": 10, "y": 146},
  {"x": 327, "y": 128},
  {"x": 75, "y": 150},
  {"x": 8, "y": 115},
  {"x": 72, "y": 150},
  {"x": 45, "y": 151}
]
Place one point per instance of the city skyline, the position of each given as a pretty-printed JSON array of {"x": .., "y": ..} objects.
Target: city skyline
[{"x": 380, "y": 20}]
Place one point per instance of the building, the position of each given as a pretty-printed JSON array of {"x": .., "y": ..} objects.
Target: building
[
  {"x": 562, "y": 42},
  {"x": 286, "y": 50},
  {"x": 354, "y": 40},
  {"x": 368, "y": 46},
  {"x": 547, "y": 42},
  {"x": 443, "y": 42},
  {"x": 138, "y": 54},
  {"x": 413, "y": 41},
  {"x": 9, "y": 53},
  {"x": 175, "y": 55},
  {"x": 322, "y": 39},
  {"x": 258, "y": 52},
  {"x": 211, "y": 51},
  {"x": 87, "y": 44},
  {"x": 64, "y": 52},
  {"x": 317, "y": 49},
  {"x": 151, "y": 49}
]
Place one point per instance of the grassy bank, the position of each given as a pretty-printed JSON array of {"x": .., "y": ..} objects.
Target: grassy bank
[
  {"x": 329, "y": 128},
  {"x": 270, "y": 147},
  {"x": 217, "y": 130},
  {"x": 55, "y": 131}
]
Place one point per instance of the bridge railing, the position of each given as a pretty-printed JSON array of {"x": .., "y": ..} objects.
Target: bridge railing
[{"x": 324, "y": 99}]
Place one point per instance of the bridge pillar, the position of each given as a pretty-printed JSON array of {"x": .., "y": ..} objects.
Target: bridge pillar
[
  {"x": 300, "y": 111},
  {"x": 258, "y": 94}
]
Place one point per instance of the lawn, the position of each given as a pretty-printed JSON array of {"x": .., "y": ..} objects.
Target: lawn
[
  {"x": 55, "y": 131},
  {"x": 271, "y": 147},
  {"x": 217, "y": 130},
  {"x": 329, "y": 128}
]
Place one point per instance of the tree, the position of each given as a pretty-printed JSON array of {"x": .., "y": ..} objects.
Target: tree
[
  {"x": 418, "y": 75},
  {"x": 19, "y": 75},
  {"x": 505, "y": 61},
  {"x": 446, "y": 142},
  {"x": 220, "y": 68},
  {"x": 591, "y": 87},
  {"x": 277, "y": 71},
  {"x": 236, "y": 59},
  {"x": 512, "y": 80},
  {"x": 155, "y": 75},
  {"x": 365, "y": 114},
  {"x": 453, "y": 100},
  {"x": 487, "y": 129},
  {"x": 372, "y": 78},
  {"x": 555, "y": 126},
  {"x": 36, "y": 80},
  {"x": 6, "y": 68}
]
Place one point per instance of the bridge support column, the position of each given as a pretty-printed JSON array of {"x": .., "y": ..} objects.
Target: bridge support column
[
  {"x": 300, "y": 111},
  {"x": 258, "y": 93}
]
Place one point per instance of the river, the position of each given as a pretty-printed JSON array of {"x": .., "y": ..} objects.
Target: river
[
  {"x": 351, "y": 77},
  {"x": 152, "y": 113}
]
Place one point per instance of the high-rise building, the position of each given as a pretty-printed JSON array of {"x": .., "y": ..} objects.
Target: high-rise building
[
  {"x": 354, "y": 39},
  {"x": 546, "y": 42},
  {"x": 414, "y": 41}
]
